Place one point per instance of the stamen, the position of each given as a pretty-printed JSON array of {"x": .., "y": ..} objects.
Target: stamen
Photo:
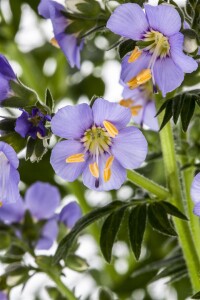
[
  {"x": 134, "y": 55},
  {"x": 135, "y": 110},
  {"x": 94, "y": 169},
  {"x": 106, "y": 175},
  {"x": 127, "y": 103},
  {"x": 39, "y": 136},
  {"x": 1, "y": 203},
  {"x": 54, "y": 42},
  {"x": 75, "y": 158},
  {"x": 141, "y": 78},
  {"x": 112, "y": 130},
  {"x": 109, "y": 162}
]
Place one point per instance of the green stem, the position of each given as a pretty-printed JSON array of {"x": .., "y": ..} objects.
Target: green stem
[
  {"x": 182, "y": 227},
  {"x": 61, "y": 286},
  {"x": 147, "y": 184}
]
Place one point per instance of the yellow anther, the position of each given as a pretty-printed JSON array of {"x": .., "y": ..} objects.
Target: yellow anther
[
  {"x": 1, "y": 203},
  {"x": 94, "y": 169},
  {"x": 127, "y": 103},
  {"x": 109, "y": 162},
  {"x": 134, "y": 55},
  {"x": 141, "y": 78},
  {"x": 75, "y": 158},
  {"x": 106, "y": 175},
  {"x": 111, "y": 129},
  {"x": 54, "y": 42},
  {"x": 135, "y": 110}
]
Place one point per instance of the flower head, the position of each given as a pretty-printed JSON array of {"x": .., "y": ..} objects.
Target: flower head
[
  {"x": 9, "y": 176},
  {"x": 32, "y": 124},
  {"x": 159, "y": 53},
  {"x": 41, "y": 200},
  {"x": 6, "y": 75},
  {"x": 140, "y": 102},
  {"x": 69, "y": 43},
  {"x": 195, "y": 194},
  {"x": 99, "y": 144}
]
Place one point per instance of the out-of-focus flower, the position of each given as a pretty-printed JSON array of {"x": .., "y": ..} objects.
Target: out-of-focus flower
[
  {"x": 3, "y": 296},
  {"x": 9, "y": 176},
  {"x": 6, "y": 75},
  {"x": 32, "y": 124},
  {"x": 140, "y": 102},
  {"x": 69, "y": 43},
  {"x": 99, "y": 144},
  {"x": 41, "y": 200},
  {"x": 195, "y": 194},
  {"x": 159, "y": 52}
]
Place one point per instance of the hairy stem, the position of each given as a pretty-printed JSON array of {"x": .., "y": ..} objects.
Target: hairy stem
[{"x": 173, "y": 181}]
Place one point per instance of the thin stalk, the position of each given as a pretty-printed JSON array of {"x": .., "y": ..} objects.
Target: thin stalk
[
  {"x": 148, "y": 184},
  {"x": 61, "y": 286},
  {"x": 183, "y": 230}
]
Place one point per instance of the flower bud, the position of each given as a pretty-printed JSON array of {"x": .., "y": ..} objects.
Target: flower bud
[{"x": 190, "y": 41}]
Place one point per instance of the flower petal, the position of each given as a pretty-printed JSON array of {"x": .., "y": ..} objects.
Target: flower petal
[
  {"x": 9, "y": 180},
  {"x": 12, "y": 212},
  {"x": 118, "y": 175},
  {"x": 23, "y": 126},
  {"x": 128, "y": 20},
  {"x": 149, "y": 119},
  {"x": 104, "y": 110},
  {"x": 186, "y": 63},
  {"x": 130, "y": 70},
  {"x": 42, "y": 199},
  {"x": 5, "y": 69},
  {"x": 163, "y": 18},
  {"x": 196, "y": 209},
  {"x": 195, "y": 189},
  {"x": 48, "y": 235},
  {"x": 130, "y": 147},
  {"x": 10, "y": 154},
  {"x": 168, "y": 76},
  {"x": 70, "y": 214},
  {"x": 5, "y": 88},
  {"x": 43, "y": 8},
  {"x": 71, "y": 122},
  {"x": 62, "y": 150}
]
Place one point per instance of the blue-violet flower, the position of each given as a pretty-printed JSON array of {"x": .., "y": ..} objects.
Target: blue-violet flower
[{"x": 6, "y": 75}]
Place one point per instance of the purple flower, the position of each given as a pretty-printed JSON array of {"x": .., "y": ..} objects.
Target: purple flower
[
  {"x": 9, "y": 176},
  {"x": 99, "y": 145},
  {"x": 3, "y": 296},
  {"x": 159, "y": 55},
  {"x": 195, "y": 194},
  {"x": 69, "y": 43},
  {"x": 41, "y": 200},
  {"x": 140, "y": 102},
  {"x": 6, "y": 75},
  {"x": 32, "y": 124}
]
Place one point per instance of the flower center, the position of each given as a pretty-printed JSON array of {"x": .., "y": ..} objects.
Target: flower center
[
  {"x": 35, "y": 120},
  {"x": 96, "y": 140},
  {"x": 158, "y": 44}
]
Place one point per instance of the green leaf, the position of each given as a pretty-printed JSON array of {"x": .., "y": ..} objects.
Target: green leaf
[
  {"x": 7, "y": 124},
  {"x": 187, "y": 110},
  {"x": 66, "y": 243},
  {"x": 167, "y": 115},
  {"x": 14, "y": 140},
  {"x": 158, "y": 219},
  {"x": 49, "y": 100},
  {"x": 177, "y": 106},
  {"x": 105, "y": 294},
  {"x": 109, "y": 232},
  {"x": 125, "y": 47},
  {"x": 89, "y": 7},
  {"x": 35, "y": 149},
  {"x": 196, "y": 296},
  {"x": 137, "y": 224},
  {"x": 173, "y": 210},
  {"x": 15, "y": 269},
  {"x": 5, "y": 240}
]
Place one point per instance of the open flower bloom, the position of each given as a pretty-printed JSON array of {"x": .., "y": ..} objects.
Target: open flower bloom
[
  {"x": 9, "y": 176},
  {"x": 69, "y": 43},
  {"x": 195, "y": 194},
  {"x": 41, "y": 200},
  {"x": 140, "y": 102},
  {"x": 6, "y": 74},
  {"x": 99, "y": 144},
  {"x": 32, "y": 124},
  {"x": 159, "y": 55}
]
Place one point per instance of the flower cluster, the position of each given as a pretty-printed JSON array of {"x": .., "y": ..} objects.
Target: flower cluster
[
  {"x": 159, "y": 52},
  {"x": 41, "y": 200}
]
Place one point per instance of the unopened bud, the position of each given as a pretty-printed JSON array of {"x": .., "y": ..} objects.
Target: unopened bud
[{"x": 190, "y": 41}]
